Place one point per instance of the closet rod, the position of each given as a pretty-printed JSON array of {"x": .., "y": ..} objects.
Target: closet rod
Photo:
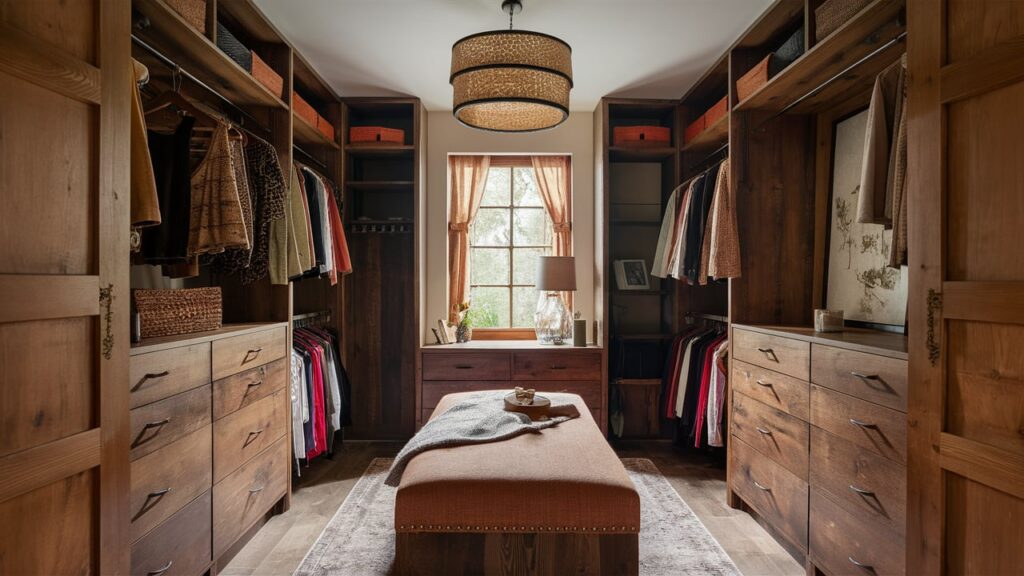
[{"x": 899, "y": 38}]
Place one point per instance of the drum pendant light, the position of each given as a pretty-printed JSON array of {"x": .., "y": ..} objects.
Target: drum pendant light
[{"x": 511, "y": 80}]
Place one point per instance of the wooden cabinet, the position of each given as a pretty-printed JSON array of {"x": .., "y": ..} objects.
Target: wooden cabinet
[
  {"x": 503, "y": 366},
  {"x": 195, "y": 442},
  {"x": 822, "y": 458}
]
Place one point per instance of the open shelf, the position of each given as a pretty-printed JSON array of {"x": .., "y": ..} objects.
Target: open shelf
[
  {"x": 712, "y": 137},
  {"x": 201, "y": 57},
  {"x": 380, "y": 150},
  {"x": 306, "y": 134},
  {"x": 626, "y": 154},
  {"x": 857, "y": 38},
  {"x": 379, "y": 185}
]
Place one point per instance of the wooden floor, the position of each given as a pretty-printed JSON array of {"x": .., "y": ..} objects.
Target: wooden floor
[{"x": 279, "y": 546}]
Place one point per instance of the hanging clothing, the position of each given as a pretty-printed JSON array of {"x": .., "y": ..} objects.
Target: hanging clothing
[
  {"x": 233, "y": 260},
  {"x": 266, "y": 179},
  {"x": 898, "y": 179},
  {"x": 145, "y": 204},
  {"x": 698, "y": 217},
  {"x": 216, "y": 222},
  {"x": 300, "y": 407},
  {"x": 168, "y": 242},
  {"x": 875, "y": 200},
  {"x": 716, "y": 394},
  {"x": 668, "y": 225},
  {"x": 316, "y": 228},
  {"x": 724, "y": 253},
  {"x": 322, "y": 394},
  {"x": 342, "y": 259},
  {"x": 299, "y": 232}
]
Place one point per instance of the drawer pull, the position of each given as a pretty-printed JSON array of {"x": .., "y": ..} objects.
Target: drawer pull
[
  {"x": 862, "y": 424},
  {"x": 861, "y": 491},
  {"x": 158, "y": 493},
  {"x": 257, "y": 490},
  {"x": 760, "y": 487},
  {"x": 147, "y": 377},
  {"x": 255, "y": 384},
  {"x": 865, "y": 376},
  {"x": 463, "y": 367},
  {"x": 770, "y": 353},
  {"x": 156, "y": 424},
  {"x": 251, "y": 355},
  {"x": 763, "y": 383},
  {"x": 868, "y": 567},
  {"x": 252, "y": 437},
  {"x": 161, "y": 570},
  {"x": 763, "y": 431}
]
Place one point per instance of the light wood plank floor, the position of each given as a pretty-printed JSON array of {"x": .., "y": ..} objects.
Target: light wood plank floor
[{"x": 281, "y": 544}]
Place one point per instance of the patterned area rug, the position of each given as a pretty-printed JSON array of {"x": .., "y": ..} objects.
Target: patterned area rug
[{"x": 359, "y": 540}]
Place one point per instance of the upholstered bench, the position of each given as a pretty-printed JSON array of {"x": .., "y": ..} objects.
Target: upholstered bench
[{"x": 554, "y": 502}]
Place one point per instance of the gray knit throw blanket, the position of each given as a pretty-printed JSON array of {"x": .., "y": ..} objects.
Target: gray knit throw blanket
[{"x": 478, "y": 419}]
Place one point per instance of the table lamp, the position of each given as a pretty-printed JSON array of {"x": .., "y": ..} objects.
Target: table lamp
[{"x": 553, "y": 321}]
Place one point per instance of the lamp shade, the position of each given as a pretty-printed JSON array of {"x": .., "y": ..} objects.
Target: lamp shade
[
  {"x": 511, "y": 80},
  {"x": 556, "y": 273}
]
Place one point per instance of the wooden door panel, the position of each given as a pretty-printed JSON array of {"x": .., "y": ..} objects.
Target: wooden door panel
[
  {"x": 975, "y": 25},
  {"x": 69, "y": 26},
  {"x": 976, "y": 513}
]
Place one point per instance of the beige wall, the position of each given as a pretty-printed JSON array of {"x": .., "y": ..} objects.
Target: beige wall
[{"x": 446, "y": 136}]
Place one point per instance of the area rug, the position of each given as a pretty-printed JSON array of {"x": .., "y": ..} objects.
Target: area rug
[{"x": 360, "y": 540}]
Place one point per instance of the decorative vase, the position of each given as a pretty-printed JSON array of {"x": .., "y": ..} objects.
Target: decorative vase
[
  {"x": 553, "y": 322},
  {"x": 463, "y": 333}
]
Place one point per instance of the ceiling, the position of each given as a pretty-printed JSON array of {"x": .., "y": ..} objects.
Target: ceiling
[{"x": 629, "y": 48}]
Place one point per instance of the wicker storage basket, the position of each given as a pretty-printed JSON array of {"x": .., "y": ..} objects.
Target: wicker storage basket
[
  {"x": 303, "y": 109},
  {"x": 641, "y": 136},
  {"x": 235, "y": 50},
  {"x": 833, "y": 14},
  {"x": 265, "y": 75},
  {"x": 192, "y": 11},
  {"x": 694, "y": 128},
  {"x": 375, "y": 135},
  {"x": 325, "y": 127},
  {"x": 183, "y": 311}
]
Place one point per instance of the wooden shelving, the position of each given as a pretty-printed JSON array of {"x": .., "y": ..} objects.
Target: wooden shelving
[
  {"x": 201, "y": 57},
  {"x": 626, "y": 154},
  {"x": 856, "y": 39},
  {"x": 380, "y": 185},
  {"x": 379, "y": 150},
  {"x": 306, "y": 134},
  {"x": 712, "y": 137}
]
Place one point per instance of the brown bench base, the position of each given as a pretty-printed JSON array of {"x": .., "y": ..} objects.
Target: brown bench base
[{"x": 515, "y": 553}]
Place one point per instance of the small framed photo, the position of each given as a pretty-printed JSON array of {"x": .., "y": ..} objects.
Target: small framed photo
[{"x": 632, "y": 275}]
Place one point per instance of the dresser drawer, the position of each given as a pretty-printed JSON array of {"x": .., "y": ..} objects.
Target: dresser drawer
[
  {"x": 245, "y": 433},
  {"x": 786, "y": 355},
  {"x": 165, "y": 480},
  {"x": 777, "y": 495},
  {"x": 434, "y": 390},
  {"x": 844, "y": 543},
  {"x": 237, "y": 353},
  {"x": 869, "y": 377},
  {"x": 868, "y": 425},
  {"x": 158, "y": 424},
  {"x": 248, "y": 493},
  {"x": 556, "y": 366},
  {"x": 178, "y": 547},
  {"x": 772, "y": 388},
  {"x": 860, "y": 480},
  {"x": 467, "y": 366},
  {"x": 777, "y": 435},
  {"x": 157, "y": 375},
  {"x": 245, "y": 388}
]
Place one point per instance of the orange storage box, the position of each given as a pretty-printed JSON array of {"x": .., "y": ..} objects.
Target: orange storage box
[
  {"x": 716, "y": 112},
  {"x": 753, "y": 80},
  {"x": 642, "y": 136},
  {"x": 265, "y": 75},
  {"x": 695, "y": 128},
  {"x": 191, "y": 11},
  {"x": 375, "y": 135},
  {"x": 303, "y": 109},
  {"x": 325, "y": 127}
]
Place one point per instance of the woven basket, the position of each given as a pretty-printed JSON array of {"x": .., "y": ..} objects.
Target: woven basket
[
  {"x": 184, "y": 311},
  {"x": 375, "y": 135},
  {"x": 325, "y": 127},
  {"x": 641, "y": 136},
  {"x": 234, "y": 48},
  {"x": 833, "y": 14},
  {"x": 303, "y": 109},
  {"x": 192, "y": 11},
  {"x": 265, "y": 75}
]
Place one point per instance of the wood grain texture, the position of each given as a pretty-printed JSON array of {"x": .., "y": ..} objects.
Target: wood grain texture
[
  {"x": 467, "y": 366},
  {"x": 245, "y": 495},
  {"x": 781, "y": 498},
  {"x": 782, "y": 438},
  {"x": 156, "y": 425},
  {"x": 237, "y": 353},
  {"x": 774, "y": 389},
  {"x": 45, "y": 464},
  {"x": 995, "y": 467},
  {"x": 240, "y": 390},
  {"x": 182, "y": 543},
  {"x": 158, "y": 375},
  {"x": 240, "y": 436},
  {"x": 641, "y": 400},
  {"x": 39, "y": 62},
  {"x": 560, "y": 365},
  {"x": 983, "y": 528},
  {"x": 182, "y": 468},
  {"x": 983, "y": 300},
  {"x": 881, "y": 430},
  {"x": 839, "y": 538},
  {"x": 990, "y": 69},
  {"x": 786, "y": 355},
  {"x": 866, "y": 376},
  {"x": 43, "y": 297}
]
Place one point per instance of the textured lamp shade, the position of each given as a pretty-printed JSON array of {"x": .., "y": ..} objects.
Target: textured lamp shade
[
  {"x": 511, "y": 80},
  {"x": 556, "y": 273}
]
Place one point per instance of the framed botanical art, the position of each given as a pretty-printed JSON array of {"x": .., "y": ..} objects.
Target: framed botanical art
[{"x": 632, "y": 275}]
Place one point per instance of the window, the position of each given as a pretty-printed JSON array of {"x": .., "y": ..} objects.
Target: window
[{"x": 511, "y": 230}]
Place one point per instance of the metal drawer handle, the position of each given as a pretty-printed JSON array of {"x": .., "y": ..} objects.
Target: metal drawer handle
[
  {"x": 763, "y": 383},
  {"x": 255, "y": 384},
  {"x": 760, "y": 487},
  {"x": 763, "y": 431},
  {"x": 256, "y": 490},
  {"x": 150, "y": 376},
  {"x": 158, "y": 493},
  {"x": 860, "y": 564},
  {"x": 861, "y": 491},
  {"x": 463, "y": 367},
  {"x": 156, "y": 424},
  {"x": 766, "y": 350},
  {"x": 252, "y": 437},
  {"x": 254, "y": 352},
  {"x": 862, "y": 424},
  {"x": 161, "y": 570},
  {"x": 865, "y": 376}
]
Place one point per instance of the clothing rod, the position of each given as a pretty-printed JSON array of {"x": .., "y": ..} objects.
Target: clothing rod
[
  {"x": 166, "y": 61},
  {"x": 899, "y": 38},
  {"x": 311, "y": 315},
  {"x": 310, "y": 157}
]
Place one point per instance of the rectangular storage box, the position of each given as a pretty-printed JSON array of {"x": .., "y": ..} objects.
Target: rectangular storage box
[
  {"x": 716, "y": 112},
  {"x": 303, "y": 109},
  {"x": 192, "y": 11},
  {"x": 265, "y": 75},
  {"x": 694, "y": 128},
  {"x": 233, "y": 47},
  {"x": 832, "y": 14},
  {"x": 325, "y": 127},
  {"x": 642, "y": 136},
  {"x": 753, "y": 79},
  {"x": 375, "y": 135},
  {"x": 180, "y": 311}
]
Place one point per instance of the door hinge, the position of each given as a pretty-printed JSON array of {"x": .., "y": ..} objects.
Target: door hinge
[{"x": 934, "y": 305}]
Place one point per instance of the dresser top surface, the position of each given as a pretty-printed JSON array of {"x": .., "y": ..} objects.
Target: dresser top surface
[
  {"x": 165, "y": 342},
  {"x": 871, "y": 341},
  {"x": 513, "y": 345}
]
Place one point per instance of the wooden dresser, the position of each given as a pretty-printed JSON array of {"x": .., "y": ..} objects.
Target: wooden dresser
[
  {"x": 503, "y": 365},
  {"x": 209, "y": 443},
  {"x": 819, "y": 442}
]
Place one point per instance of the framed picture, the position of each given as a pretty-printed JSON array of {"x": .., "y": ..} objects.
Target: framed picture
[
  {"x": 859, "y": 280},
  {"x": 632, "y": 275}
]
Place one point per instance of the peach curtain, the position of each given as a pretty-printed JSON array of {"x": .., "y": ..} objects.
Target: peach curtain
[
  {"x": 553, "y": 175},
  {"x": 468, "y": 176}
]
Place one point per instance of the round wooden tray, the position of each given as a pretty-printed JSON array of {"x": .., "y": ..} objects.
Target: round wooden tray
[{"x": 537, "y": 409}]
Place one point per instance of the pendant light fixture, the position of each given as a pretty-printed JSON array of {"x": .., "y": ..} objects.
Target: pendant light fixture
[{"x": 511, "y": 80}]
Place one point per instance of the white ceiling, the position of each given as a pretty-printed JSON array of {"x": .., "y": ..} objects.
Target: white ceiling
[{"x": 630, "y": 48}]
